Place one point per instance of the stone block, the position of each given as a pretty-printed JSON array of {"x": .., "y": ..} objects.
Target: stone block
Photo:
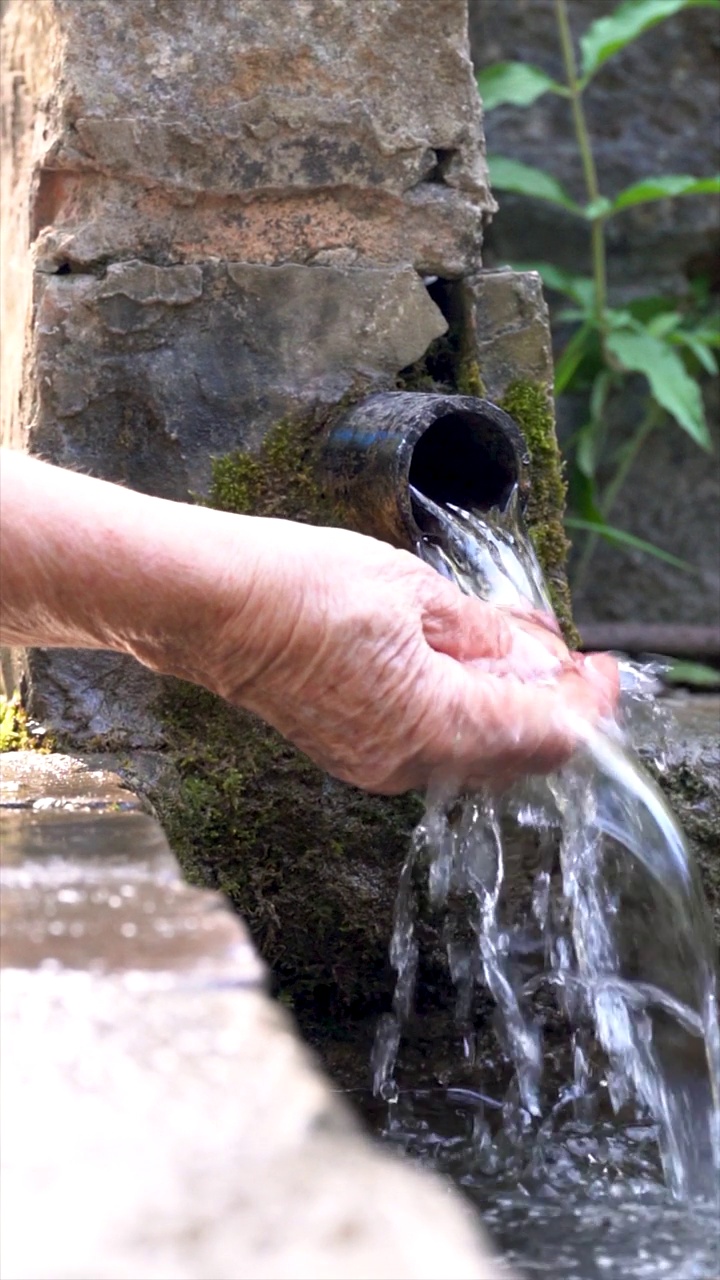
[
  {"x": 508, "y": 330},
  {"x": 145, "y": 374},
  {"x": 160, "y": 1116}
]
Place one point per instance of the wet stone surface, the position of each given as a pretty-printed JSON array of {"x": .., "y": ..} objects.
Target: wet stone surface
[
  {"x": 160, "y": 1115},
  {"x": 89, "y": 882}
]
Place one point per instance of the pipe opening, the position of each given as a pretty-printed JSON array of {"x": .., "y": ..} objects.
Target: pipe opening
[
  {"x": 464, "y": 460},
  {"x": 457, "y": 450}
]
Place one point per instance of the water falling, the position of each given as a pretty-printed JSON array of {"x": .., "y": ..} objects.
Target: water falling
[{"x": 621, "y": 931}]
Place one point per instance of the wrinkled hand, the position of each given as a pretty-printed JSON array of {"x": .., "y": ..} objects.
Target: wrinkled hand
[
  {"x": 386, "y": 675},
  {"x": 363, "y": 656}
]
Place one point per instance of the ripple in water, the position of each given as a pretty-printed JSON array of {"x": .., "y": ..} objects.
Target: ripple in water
[{"x": 611, "y": 1168}]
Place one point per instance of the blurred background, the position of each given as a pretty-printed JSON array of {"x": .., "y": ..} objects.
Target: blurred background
[{"x": 634, "y": 467}]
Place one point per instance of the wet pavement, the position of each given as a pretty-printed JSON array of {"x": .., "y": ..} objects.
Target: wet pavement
[{"x": 160, "y": 1116}]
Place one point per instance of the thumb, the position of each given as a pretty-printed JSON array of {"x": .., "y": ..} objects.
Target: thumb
[{"x": 462, "y": 626}]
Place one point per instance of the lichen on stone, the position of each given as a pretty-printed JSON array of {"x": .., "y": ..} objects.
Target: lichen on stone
[
  {"x": 468, "y": 378},
  {"x": 310, "y": 863},
  {"x": 15, "y": 732},
  {"x": 530, "y": 405},
  {"x": 284, "y": 477}
]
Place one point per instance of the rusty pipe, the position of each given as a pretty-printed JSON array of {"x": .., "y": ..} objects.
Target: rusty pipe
[{"x": 456, "y": 449}]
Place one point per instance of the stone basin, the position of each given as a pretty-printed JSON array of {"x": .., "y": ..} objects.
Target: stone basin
[{"x": 160, "y": 1115}]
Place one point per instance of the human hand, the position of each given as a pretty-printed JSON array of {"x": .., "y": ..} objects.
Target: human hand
[
  {"x": 385, "y": 674},
  {"x": 363, "y": 656}
]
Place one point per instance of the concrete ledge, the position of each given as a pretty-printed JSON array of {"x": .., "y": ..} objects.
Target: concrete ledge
[{"x": 161, "y": 1118}]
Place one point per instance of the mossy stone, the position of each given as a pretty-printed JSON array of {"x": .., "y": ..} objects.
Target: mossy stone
[
  {"x": 310, "y": 863},
  {"x": 16, "y": 733},
  {"x": 530, "y": 405}
]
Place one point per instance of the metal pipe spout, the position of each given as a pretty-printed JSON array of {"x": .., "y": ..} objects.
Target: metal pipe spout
[{"x": 456, "y": 449}]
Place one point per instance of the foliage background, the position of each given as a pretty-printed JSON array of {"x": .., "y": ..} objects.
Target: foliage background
[{"x": 651, "y": 109}]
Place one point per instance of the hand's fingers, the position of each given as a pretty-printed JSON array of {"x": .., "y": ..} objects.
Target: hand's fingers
[
  {"x": 538, "y": 617},
  {"x": 529, "y": 725},
  {"x": 601, "y": 671},
  {"x": 463, "y": 627},
  {"x": 504, "y": 727}
]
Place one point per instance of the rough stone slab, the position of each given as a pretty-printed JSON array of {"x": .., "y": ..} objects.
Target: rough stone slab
[
  {"x": 508, "y": 328},
  {"x": 689, "y": 774},
  {"x": 145, "y": 374},
  {"x": 160, "y": 1117},
  {"x": 435, "y": 228},
  {"x": 252, "y": 96},
  {"x": 33, "y": 780},
  {"x": 157, "y": 1135},
  {"x": 89, "y": 883},
  {"x": 91, "y": 696}
]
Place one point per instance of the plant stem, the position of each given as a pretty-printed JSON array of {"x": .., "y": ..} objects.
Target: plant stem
[
  {"x": 612, "y": 491},
  {"x": 597, "y": 229},
  {"x": 650, "y": 421}
]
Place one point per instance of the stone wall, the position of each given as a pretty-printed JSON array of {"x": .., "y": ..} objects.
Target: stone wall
[
  {"x": 650, "y": 109},
  {"x": 226, "y": 220}
]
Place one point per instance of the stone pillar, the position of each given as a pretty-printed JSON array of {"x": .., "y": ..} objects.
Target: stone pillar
[{"x": 224, "y": 220}]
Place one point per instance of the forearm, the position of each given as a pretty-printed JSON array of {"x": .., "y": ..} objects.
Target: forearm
[
  {"x": 88, "y": 564},
  {"x": 363, "y": 656}
]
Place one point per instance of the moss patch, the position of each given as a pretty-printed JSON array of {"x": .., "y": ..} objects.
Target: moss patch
[
  {"x": 529, "y": 404},
  {"x": 468, "y": 378},
  {"x": 15, "y": 733},
  {"x": 311, "y": 864},
  {"x": 284, "y": 478}
]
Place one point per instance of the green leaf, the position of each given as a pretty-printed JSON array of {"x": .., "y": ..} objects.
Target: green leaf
[
  {"x": 615, "y": 318},
  {"x": 513, "y": 175},
  {"x": 580, "y": 288},
  {"x": 702, "y": 352},
  {"x": 663, "y": 188},
  {"x": 608, "y": 35},
  {"x": 649, "y": 306},
  {"x": 599, "y": 394},
  {"x": 584, "y": 497},
  {"x": 664, "y": 323},
  {"x": 670, "y": 383},
  {"x": 514, "y": 82},
  {"x": 586, "y": 450},
  {"x": 696, "y": 674},
  {"x": 571, "y": 315},
  {"x": 575, "y": 351},
  {"x": 622, "y": 539}
]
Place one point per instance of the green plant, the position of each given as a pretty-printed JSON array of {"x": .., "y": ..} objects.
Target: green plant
[
  {"x": 14, "y": 732},
  {"x": 670, "y": 342}
]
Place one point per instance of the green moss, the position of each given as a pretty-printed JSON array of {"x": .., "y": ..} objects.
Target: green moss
[
  {"x": 435, "y": 370},
  {"x": 15, "y": 734},
  {"x": 468, "y": 378},
  {"x": 310, "y": 864},
  {"x": 530, "y": 405},
  {"x": 238, "y": 480},
  {"x": 284, "y": 477}
]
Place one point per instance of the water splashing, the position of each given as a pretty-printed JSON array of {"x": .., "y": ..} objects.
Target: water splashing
[{"x": 617, "y": 910}]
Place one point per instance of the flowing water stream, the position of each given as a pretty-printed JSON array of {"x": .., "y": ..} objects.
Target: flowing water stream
[{"x": 609, "y": 1163}]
